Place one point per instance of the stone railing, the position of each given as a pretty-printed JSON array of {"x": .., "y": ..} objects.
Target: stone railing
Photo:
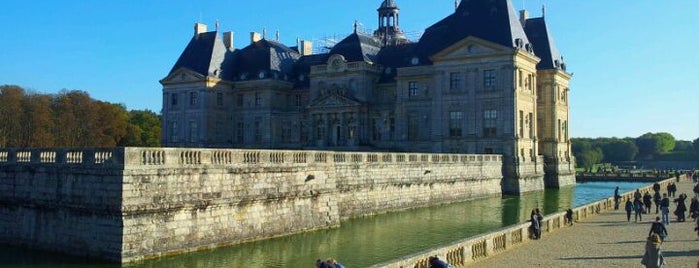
[
  {"x": 471, "y": 250},
  {"x": 193, "y": 157},
  {"x": 104, "y": 157},
  {"x": 154, "y": 157}
]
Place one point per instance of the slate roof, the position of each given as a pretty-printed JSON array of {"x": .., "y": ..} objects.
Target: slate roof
[
  {"x": 392, "y": 57},
  {"x": 544, "y": 47},
  {"x": 492, "y": 20},
  {"x": 358, "y": 47},
  {"x": 204, "y": 54},
  {"x": 270, "y": 57}
]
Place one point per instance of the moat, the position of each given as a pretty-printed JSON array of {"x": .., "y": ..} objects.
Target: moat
[{"x": 365, "y": 241}]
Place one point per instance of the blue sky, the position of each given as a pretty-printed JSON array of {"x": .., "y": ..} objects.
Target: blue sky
[{"x": 634, "y": 61}]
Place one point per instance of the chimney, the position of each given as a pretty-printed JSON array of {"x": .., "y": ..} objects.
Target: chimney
[
  {"x": 228, "y": 40},
  {"x": 523, "y": 16},
  {"x": 199, "y": 28},
  {"x": 254, "y": 37},
  {"x": 306, "y": 48}
]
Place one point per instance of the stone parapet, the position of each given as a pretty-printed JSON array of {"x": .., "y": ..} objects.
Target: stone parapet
[
  {"x": 474, "y": 249},
  {"x": 129, "y": 204}
]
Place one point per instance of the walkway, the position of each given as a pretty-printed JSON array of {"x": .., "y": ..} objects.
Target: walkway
[{"x": 605, "y": 240}]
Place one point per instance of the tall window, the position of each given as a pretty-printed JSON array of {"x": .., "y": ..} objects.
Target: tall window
[
  {"x": 286, "y": 131},
  {"x": 258, "y": 130},
  {"x": 173, "y": 99},
  {"x": 530, "y": 123},
  {"x": 173, "y": 131},
  {"x": 219, "y": 99},
  {"x": 489, "y": 78},
  {"x": 298, "y": 100},
  {"x": 454, "y": 81},
  {"x": 413, "y": 89},
  {"x": 320, "y": 132},
  {"x": 521, "y": 124},
  {"x": 455, "y": 123},
  {"x": 413, "y": 127},
  {"x": 490, "y": 118},
  {"x": 239, "y": 100},
  {"x": 258, "y": 99},
  {"x": 519, "y": 77},
  {"x": 240, "y": 132},
  {"x": 193, "y": 98},
  {"x": 193, "y": 131}
]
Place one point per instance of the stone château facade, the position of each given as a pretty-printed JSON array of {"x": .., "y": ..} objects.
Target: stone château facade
[{"x": 480, "y": 81}]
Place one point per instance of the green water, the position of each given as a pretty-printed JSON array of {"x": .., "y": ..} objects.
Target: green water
[{"x": 366, "y": 241}]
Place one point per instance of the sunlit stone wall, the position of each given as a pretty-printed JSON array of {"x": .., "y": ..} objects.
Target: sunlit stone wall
[{"x": 134, "y": 203}]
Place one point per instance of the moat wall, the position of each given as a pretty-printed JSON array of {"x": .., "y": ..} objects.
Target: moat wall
[{"x": 130, "y": 204}]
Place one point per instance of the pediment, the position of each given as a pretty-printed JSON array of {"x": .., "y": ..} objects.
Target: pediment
[
  {"x": 469, "y": 47},
  {"x": 334, "y": 101},
  {"x": 182, "y": 75}
]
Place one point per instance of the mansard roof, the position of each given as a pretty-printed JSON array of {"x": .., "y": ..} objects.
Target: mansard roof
[
  {"x": 204, "y": 54},
  {"x": 491, "y": 20},
  {"x": 358, "y": 47},
  {"x": 544, "y": 47},
  {"x": 263, "y": 58}
]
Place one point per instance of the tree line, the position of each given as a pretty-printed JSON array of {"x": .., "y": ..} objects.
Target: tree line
[
  {"x": 71, "y": 119},
  {"x": 649, "y": 146}
]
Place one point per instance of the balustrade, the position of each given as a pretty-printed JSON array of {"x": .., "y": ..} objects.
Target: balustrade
[
  {"x": 47, "y": 157},
  {"x": 103, "y": 157},
  {"x": 500, "y": 243},
  {"x": 456, "y": 256},
  {"x": 479, "y": 249}
]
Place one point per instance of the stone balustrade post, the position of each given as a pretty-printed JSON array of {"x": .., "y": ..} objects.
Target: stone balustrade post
[
  {"x": 88, "y": 156},
  {"x": 11, "y": 156},
  {"x": 35, "y": 157}
]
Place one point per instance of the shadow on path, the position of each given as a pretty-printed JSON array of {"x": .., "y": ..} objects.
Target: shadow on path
[
  {"x": 681, "y": 253},
  {"x": 602, "y": 258},
  {"x": 625, "y": 242}
]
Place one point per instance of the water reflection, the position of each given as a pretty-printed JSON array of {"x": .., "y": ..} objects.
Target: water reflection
[{"x": 367, "y": 241}]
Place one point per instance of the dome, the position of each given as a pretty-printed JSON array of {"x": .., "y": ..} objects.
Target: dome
[{"x": 388, "y": 4}]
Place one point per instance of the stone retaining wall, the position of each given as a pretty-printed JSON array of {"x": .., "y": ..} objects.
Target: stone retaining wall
[
  {"x": 471, "y": 250},
  {"x": 130, "y": 204}
]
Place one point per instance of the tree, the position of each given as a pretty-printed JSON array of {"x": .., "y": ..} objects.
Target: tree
[
  {"x": 587, "y": 159},
  {"x": 11, "y": 116},
  {"x": 650, "y": 144},
  {"x": 619, "y": 150},
  {"x": 143, "y": 130},
  {"x": 696, "y": 146},
  {"x": 38, "y": 121}
]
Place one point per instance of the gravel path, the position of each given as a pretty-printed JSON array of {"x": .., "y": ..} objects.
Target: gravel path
[{"x": 605, "y": 240}]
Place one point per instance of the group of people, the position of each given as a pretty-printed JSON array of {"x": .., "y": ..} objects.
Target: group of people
[
  {"x": 658, "y": 233},
  {"x": 642, "y": 203}
]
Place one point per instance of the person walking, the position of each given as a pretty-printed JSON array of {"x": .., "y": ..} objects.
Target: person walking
[
  {"x": 658, "y": 228},
  {"x": 536, "y": 227},
  {"x": 629, "y": 207},
  {"x": 616, "y": 198},
  {"x": 694, "y": 208},
  {"x": 656, "y": 200},
  {"x": 665, "y": 209},
  {"x": 647, "y": 202},
  {"x": 681, "y": 208},
  {"x": 653, "y": 257},
  {"x": 638, "y": 209},
  {"x": 696, "y": 190}
]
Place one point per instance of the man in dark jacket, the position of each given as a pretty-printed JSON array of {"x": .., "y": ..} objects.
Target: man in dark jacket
[{"x": 658, "y": 228}]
